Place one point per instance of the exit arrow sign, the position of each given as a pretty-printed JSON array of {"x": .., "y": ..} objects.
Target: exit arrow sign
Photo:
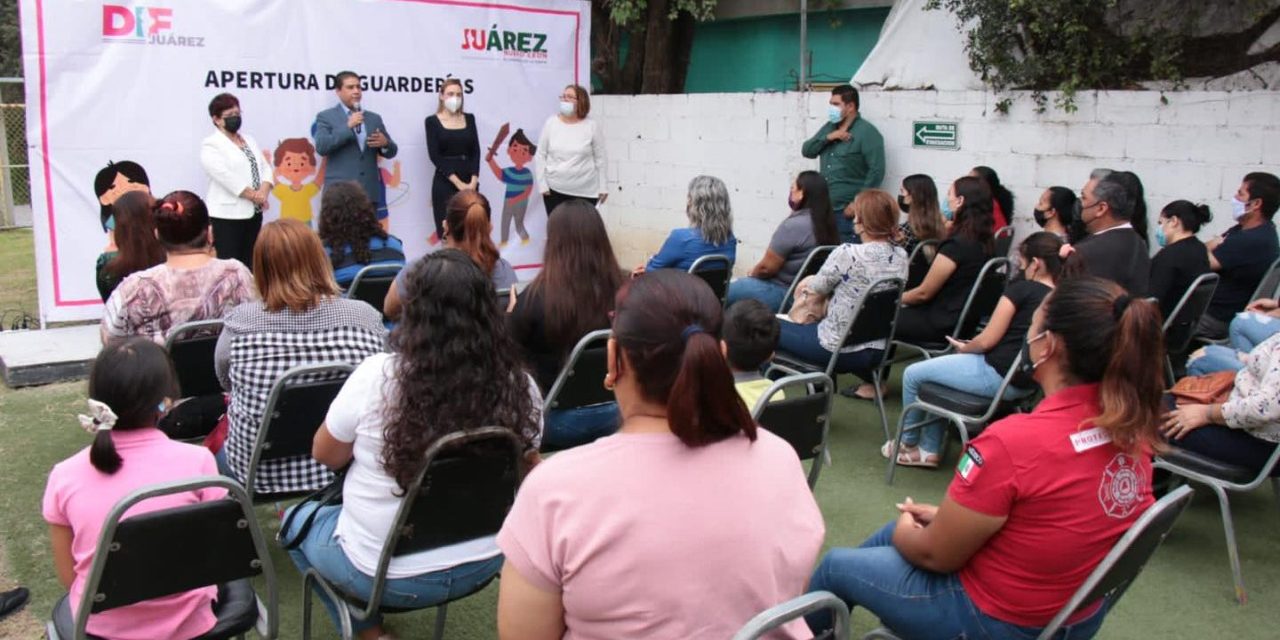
[{"x": 935, "y": 135}]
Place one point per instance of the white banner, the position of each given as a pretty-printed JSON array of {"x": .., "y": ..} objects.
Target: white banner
[{"x": 108, "y": 81}]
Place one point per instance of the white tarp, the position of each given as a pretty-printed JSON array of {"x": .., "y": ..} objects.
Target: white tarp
[
  {"x": 918, "y": 49},
  {"x": 110, "y": 81}
]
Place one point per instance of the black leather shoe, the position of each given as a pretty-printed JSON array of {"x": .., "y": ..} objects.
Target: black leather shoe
[{"x": 11, "y": 601}]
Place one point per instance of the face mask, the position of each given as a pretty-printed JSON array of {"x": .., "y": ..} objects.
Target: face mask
[
  {"x": 567, "y": 108},
  {"x": 1040, "y": 217},
  {"x": 1238, "y": 209},
  {"x": 834, "y": 114},
  {"x": 1160, "y": 239},
  {"x": 453, "y": 103},
  {"x": 902, "y": 204},
  {"x": 231, "y": 124},
  {"x": 946, "y": 210},
  {"x": 791, "y": 203},
  {"x": 1027, "y": 366}
]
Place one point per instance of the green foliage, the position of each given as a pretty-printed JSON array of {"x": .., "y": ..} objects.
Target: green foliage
[
  {"x": 10, "y": 42},
  {"x": 1064, "y": 45},
  {"x": 625, "y": 12}
]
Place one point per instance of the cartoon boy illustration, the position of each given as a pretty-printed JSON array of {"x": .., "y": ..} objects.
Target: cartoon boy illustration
[
  {"x": 518, "y": 178},
  {"x": 113, "y": 181},
  {"x": 295, "y": 161}
]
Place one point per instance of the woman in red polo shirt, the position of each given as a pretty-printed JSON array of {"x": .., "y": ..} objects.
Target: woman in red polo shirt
[{"x": 1038, "y": 499}]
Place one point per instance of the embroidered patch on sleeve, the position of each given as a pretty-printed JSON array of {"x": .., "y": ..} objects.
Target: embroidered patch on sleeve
[{"x": 970, "y": 464}]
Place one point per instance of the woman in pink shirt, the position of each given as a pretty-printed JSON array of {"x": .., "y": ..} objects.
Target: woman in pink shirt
[
  {"x": 687, "y": 522},
  {"x": 131, "y": 382}
]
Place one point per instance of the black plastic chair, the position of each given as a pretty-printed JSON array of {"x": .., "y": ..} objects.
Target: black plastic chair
[
  {"x": 812, "y": 263},
  {"x": 466, "y": 487},
  {"x": 776, "y": 617},
  {"x": 873, "y": 319},
  {"x": 980, "y": 304},
  {"x": 1180, "y": 326},
  {"x": 1121, "y": 566},
  {"x": 802, "y": 417},
  {"x": 191, "y": 347},
  {"x": 1221, "y": 477},
  {"x": 372, "y": 283},
  {"x": 1004, "y": 241},
  {"x": 715, "y": 270},
  {"x": 919, "y": 262},
  {"x": 580, "y": 382},
  {"x": 170, "y": 551},
  {"x": 295, "y": 410}
]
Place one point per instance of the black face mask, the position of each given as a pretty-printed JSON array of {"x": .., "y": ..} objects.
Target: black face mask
[
  {"x": 902, "y": 204},
  {"x": 1040, "y": 217},
  {"x": 231, "y": 124},
  {"x": 1026, "y": 366}
]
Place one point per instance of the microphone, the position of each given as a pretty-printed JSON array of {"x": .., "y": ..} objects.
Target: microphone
[{"x": 355, "y": 106}]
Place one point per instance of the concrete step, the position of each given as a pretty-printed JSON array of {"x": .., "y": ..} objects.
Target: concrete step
[{"x": 29, "y": 358}]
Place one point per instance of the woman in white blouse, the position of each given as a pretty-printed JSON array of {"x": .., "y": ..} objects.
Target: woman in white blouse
[
  {"x": 1245, "y": 429},
  {"x": 571, "y": 153},
  {"x": 239, "y": 181}
]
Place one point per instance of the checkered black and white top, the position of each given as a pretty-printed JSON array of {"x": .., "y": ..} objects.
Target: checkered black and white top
[{"x": 257, "y": 347}]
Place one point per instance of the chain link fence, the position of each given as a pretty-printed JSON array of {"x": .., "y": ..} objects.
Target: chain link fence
[{"x": 15, "y": 173}]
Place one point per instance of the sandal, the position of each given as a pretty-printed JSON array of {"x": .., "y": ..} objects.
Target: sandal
[
  {"x": 909, "y": 456},
  {"x": 856, "y": 392}
]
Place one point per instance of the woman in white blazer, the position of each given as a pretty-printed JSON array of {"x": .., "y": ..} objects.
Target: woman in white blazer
[{"x": 239, "y": 181}]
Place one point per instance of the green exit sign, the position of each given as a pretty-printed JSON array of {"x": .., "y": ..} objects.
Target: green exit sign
[{"x": 935, "y": 135}]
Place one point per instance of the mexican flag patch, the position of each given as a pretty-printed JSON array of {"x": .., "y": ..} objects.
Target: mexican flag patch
[{"x": 970, "y": 464}]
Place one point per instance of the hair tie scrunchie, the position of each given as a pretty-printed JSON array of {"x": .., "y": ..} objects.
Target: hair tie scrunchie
[
  {"x": 1065, "y": 250},
  {"x": 101, "y": 417},
  {"x": 1121, "y": 303},
  {"x": 690, "y": 331},
  {"x": 169, "y": 205}
]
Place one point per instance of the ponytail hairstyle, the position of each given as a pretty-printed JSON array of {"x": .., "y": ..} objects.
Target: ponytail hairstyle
[
  {"x": 182, "y": 221},
  {"x": 1047, "y": 247},
  {"x": 667, "y": 325},
  {"x": 133, "y": 376},
  {"x": 1113, "y": 339},
  {"x": 136, "y": 241},
  {"x": 999, "y": 192},
  {"x": 1063, "y": 202},
  {"x": 469, "y": 227},
  {"x": 1192, "y": 216}
]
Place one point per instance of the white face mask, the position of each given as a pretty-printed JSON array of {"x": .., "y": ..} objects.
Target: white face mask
[
  {"x": 453, "y": 103},
  {"x": 567, "y": 108},
  {"x": 1238, "y": 209}
]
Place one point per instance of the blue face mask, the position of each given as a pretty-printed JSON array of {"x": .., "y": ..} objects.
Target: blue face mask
[
  {"x": 834, "y": 114},
  {"x": 946, "y": 210},
  {"x": 1160, "y": 239}
]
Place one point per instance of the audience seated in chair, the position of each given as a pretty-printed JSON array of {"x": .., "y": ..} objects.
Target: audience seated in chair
[
  {"x": 918, "y": 198},
  {"x": 617, "y": 538},
  {"x": 129, "y": 384},
  {"x": 1112, "y": 250},
  {"x": 710, "y": 230},
  {"x": 1055, "y": 211},
  {"x": 1039, "y": 499},
  {"x": 571, "y": 297},
  {"x": 191, "y": 284},
  {"x": 468, "y": 228},
  {"x": 1243, "y": 254},
  {"x": 748, "y": 340},
  {"x": 847, "y": 277},
  {"x": 351, "y": 234},
  {"x": 1244, "y": 430},
  {"x": 137, "y": 247},
  {"x": 300, "y": 320},
  {"x": 452, "y": 368},
  {"x": 931, "y": 310},
  {"x": 1182, "y": 257},
  {"x": 1260, "y": 320},
  {"x": 810, "y": 223},
  {"x": 979, "y": 365},
  {"x": 1001, "y": 197}
]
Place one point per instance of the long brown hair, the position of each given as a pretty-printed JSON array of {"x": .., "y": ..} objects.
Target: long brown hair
[
  {"x": 923, "y": 216},
  {"x": 975, "y": 219},
  {"x": 877, "y": 212},
  {"x": 290, "y": 268},
  {"x": 135, "y": 235},
  {"x": 1112, "y": 338},
  {"x": 469, "y": 226},
  {"x": 667, "y": 324},
  {"x": 580, "y": 274}
]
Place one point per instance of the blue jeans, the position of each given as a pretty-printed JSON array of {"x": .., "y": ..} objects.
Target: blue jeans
[
  {"x": 1215, "y": 358},
  {"x": 1249, "y": 328},
  {"x": 967, "y": 372},
  {"x": 1233, "y": 446},
  {"x": 566, "y": 428},
  {"x": 915, "y": 603},
  {"x": 321, "y": 551},
  {"x": 766, "y": 291},
  {"x": 801, "y": 340}
]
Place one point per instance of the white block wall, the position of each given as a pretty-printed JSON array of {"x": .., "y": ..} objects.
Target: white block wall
[{"x": 1197, "y": 147}]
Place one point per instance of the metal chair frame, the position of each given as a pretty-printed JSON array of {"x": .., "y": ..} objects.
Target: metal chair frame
[
  {"x": 776, "y": 616},
  {"x": 1006, "y": 236},
  {"x": 345, "y": 605},
  {"x": 701, "y": 265},
  {"x": 813, "y": 383},
  {"x": 567, "y": 371},
  {"x": 812, "y": 263},
  {"x": 991, "y": 265},
  {"x": 374, "y": 271},
  {"x": 1176, "y": 315},
  {"x": 1268, "y": 287},
  {"x": 106, "y": 541},
  {"x": 184, "y": 332}
]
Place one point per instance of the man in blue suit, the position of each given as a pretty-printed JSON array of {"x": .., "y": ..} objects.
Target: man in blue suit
[{"x": 352, "y": 139}]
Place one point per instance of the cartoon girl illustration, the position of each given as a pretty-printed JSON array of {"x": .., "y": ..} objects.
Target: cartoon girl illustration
[{"x": 113, "y": 181}]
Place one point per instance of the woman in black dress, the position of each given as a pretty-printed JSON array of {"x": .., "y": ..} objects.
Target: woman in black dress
[
  {"x": 453, "y": 144},
  {"x": 1182, "y": 257}
]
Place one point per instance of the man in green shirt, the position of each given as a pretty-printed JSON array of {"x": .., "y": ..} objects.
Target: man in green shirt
[{"x": 850, "y": 152}]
